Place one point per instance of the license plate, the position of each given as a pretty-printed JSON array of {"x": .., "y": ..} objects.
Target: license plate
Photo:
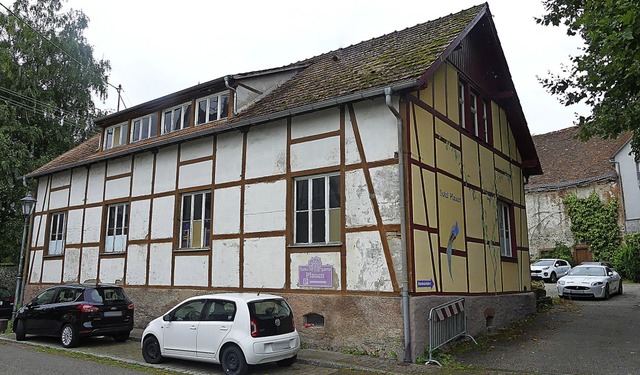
[
  {"x": 280, "y": 346},
  {"x": 111, "y": 314}
]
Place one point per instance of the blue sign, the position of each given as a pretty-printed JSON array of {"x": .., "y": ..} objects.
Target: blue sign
[{"x": 425, "y": 283}]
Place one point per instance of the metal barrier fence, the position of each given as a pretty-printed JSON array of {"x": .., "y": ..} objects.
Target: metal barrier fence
[{"x": 447, "y": 322}]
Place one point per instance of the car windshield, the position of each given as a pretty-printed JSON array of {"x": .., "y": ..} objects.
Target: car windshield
[
  {"x": 587, "y": 271},
  {"x": 543, "y": 262},
  {"x": 4, "y": 293}
]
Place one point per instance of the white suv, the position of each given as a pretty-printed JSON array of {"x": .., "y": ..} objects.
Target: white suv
[
  {"x": 549, "y": 269},
  {"x": 233, "y": 329}
]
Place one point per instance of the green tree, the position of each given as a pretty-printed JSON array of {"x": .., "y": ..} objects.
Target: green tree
[
  {"x": 606, "y": 74},
  {"x": 47, "y": 78}
]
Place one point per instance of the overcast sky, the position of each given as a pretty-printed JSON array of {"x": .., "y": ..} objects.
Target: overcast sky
[{"x": 157, "y": 48}]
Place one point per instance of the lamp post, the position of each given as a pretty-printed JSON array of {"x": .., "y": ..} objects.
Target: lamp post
[{"x": 28, "y": 203}]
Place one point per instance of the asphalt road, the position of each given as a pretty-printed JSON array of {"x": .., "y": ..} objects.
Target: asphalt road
[{"x": 573, "y": 337}]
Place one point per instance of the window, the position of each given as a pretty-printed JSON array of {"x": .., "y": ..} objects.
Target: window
[
  {"x": 461, "y": 104},
  {"x": 317, "y": 210},
  {"x": 115, "y": 136},
  {"x": 189, "y": 311},
  {"x": 56, "y": 233},
  {"x": 195, "y": 221},
  {"x": 144, "y": 127},
  {"x": 504, "y": 228},
  {"x": 212, "y": 108},
  {"x": 474, "y": 113},
  {"x": 176, "y": 118},
  {"x": 485, "y": 120},
  {"x": 117, "y": 228}
]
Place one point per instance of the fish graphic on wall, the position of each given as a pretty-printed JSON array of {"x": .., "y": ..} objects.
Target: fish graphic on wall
[{"x": 452, "y": 237}]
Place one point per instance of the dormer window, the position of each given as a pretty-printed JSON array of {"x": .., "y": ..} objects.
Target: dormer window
[
  {"x": 176, "y": 118},
  {"x": 144, "y": 127},
  {"x": 115, "y": 136},
  {"x": 212, "y": 108}
]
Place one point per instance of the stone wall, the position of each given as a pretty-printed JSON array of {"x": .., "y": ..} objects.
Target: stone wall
[{"x": 8, "y": 276}]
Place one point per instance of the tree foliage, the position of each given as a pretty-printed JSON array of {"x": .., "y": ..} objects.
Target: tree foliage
[
  {"x": 606, "y": 75},
  {"x": 627, "y": 259},
  {"x": 47, "y": 78}
]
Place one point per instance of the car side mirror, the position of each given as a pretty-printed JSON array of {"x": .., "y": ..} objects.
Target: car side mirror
[
  {"x": 167, "y": 318},
  {"x": 610, "y": 273}
]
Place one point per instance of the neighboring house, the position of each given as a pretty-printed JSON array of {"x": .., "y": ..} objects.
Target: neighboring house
[
  {"x": 366, "y": 185},
  {"x": 570, "y": 167},
  {"x": 628, "y": 168}
]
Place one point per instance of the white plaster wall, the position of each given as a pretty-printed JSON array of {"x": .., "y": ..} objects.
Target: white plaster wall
[
  {"x": 136, "y": 265},
  {"x": 38, "y": 231},
  {"x": 228, "y": 157},
  {"x": 265, "y": 206},
  {"x": 42, "y": 195},
  {"x": 302, "y": 259},
  {"x": 35, "y": 266},
  {"x": 78, "y": 185},
  {"x": 630, "y": 183},
  {"x": 166, "y": 167},
  {"x": 351, "y": 153},
  {"x": 191, "y": 271},
  {"x": 320, "y": 153},
  {"x": 162, "y": 219},
  {"x": 199, "y": 148},
  {"x": 95, "y": 187},
  {"x": 111, "y": 270},
  {"x": 366, "y": 264},
  {"x": 92, "y": 224},
  {"x": 61, "y": 179},
  {"x": 142, "y": 174},
  {"x": 267, "y": 150},
  {"x": 89, "y": 264},
  {"x": 320, "y": 122},
  {"x": 225, "y": 270},
  {"x": 74, "y": 226},
  {"x": 196, "y": 174},
  {"x": 226, "y": 210},
  {"x": 358, "y": 210},
  {"x": 395, "y": 247},
  {"x": 139, "y": 219},
  {"x": 118, "y": 188},
  {"x": 386, "y": 186},
  {"x": 160, "y": 264},
  {"x": 59, "y": 199},
  {"x": 377, "y": 126},
  {"x": 264, "y": 254},
  {"x": 71, "y": 265},
  {"x": 119, "y": 166},
  {"x": 52, "y": 271}
]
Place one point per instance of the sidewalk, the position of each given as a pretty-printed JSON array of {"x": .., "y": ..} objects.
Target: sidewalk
[{"x": 129, "y": 352}]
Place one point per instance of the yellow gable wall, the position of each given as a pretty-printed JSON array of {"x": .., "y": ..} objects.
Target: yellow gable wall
[{"x": 454, "y": 181}]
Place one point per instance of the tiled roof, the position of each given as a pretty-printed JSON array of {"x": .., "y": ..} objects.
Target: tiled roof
[
  {"x": 397, "y": 57},
  {"x": 568, "y": 161}
]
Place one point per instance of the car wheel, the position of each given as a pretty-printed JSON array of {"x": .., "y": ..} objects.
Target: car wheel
[
  {"x": 69, "y": 336},
  {"x": 20, "y": 333},
  {"x": 606, "y": 292},
  {"x": 553, "y": 277},
  {"x": 287, "y": 362},
  {"x": 151, "y": 350},
  {"x": 121, "y": 337},
  {"x": 233, "y": 361}
]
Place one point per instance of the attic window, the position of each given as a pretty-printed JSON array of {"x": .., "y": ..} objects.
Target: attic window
[
  {"x": 115, "y": 136},
  {"x": 212, "y": 108},
  {"x": 144, "y": 127},
  {"x": 176, "y": 118}
]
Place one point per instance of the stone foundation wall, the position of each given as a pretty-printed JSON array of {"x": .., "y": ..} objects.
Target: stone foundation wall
[{"x": 8, "y": 276}]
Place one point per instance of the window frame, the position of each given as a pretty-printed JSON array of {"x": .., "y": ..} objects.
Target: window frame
[
  {"x": 205, "y": 232},
  {"x": 59, "y": 218},
  {"x": 185, "y": 110},
  {"x": 506, "y": 230},
  {"x": 152, "y": 128},
  {"x": 111, "y": 241},
  {"x": 310, "y": 210},
  {"x": 109, "y": 134},
  {"x": 222, "y": 111},
  {"x": 474, "y": 110}
]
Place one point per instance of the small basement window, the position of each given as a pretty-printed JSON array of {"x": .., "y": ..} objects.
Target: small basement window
[{"x": 313, "y": 320}]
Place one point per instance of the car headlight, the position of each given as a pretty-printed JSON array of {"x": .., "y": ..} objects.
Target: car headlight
[
  {"x": 596, "y": 283},
  {"x": 545, "y": 268},
  {"x": 561, "y": 282}
]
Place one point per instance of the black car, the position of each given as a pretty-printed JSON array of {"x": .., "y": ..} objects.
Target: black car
[
  {"x": 74, "y": 311},
  {"x": 6, "y": 303}
]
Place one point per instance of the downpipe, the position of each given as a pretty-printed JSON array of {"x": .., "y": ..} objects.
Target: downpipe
[{"x": 403, "y": 230}]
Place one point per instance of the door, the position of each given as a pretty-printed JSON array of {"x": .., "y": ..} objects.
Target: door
[
  {"x": 180, "y": 332},
  {"x": 38, "y": 313},
  {"x": 214, "y": 327}
]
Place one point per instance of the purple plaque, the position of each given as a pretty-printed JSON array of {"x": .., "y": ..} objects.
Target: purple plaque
[{"x": 314, "y": 274}]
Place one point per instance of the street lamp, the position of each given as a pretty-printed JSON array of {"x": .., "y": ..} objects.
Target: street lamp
[{"x": 28, "y": 203}]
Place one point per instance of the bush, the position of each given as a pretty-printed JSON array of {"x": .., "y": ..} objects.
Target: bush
[
  {"x": 627, "y": 258},
  {"x": 560, "y": 251}
]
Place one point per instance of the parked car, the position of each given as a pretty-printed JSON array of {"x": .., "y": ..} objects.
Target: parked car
[
  {"x": 6, "y": 303},
  {"x": 590, "y": 281},
  {"x": 549, "y": 269},
  {"x": 72, "y": 312},
  {"x": 606, "y": 264},
  {"x": 233, "y": 329}
]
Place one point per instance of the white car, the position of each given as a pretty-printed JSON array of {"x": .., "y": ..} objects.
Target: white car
[
  {"x": 232, "y": 329},
  {"x": 590, "y": 281},
  {"x": 549, "y": 269}
]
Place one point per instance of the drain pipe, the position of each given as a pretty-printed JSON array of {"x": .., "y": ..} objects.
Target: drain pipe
[
  {"x": 403, "y": 230},
  {"x": 235, "y": 94}
]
